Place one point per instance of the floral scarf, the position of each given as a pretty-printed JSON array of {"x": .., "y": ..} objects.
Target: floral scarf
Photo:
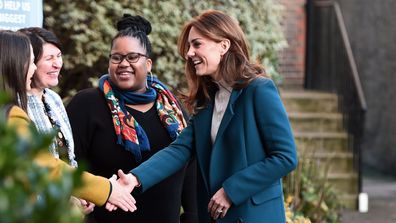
[{"x": 129, "y": 133}]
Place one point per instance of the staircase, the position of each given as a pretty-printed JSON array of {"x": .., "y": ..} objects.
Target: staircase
[{"x": 318, "y": 128}]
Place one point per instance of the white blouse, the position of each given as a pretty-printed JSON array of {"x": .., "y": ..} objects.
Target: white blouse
[{"x": 222, "y": 98}]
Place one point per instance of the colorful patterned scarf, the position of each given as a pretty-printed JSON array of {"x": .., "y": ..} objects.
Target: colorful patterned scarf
[{"x": 129, "y": 133}]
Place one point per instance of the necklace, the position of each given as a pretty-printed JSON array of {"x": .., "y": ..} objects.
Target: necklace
[{"x": 61, "y": 143}]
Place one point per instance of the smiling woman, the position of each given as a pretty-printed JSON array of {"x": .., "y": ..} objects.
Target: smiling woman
[
  {"x": 45, "y": 107},
  {"x": 126, "y": 72},
  {"x": 240, "y": 133},
  {"x": 129, "y": 118},
  {"x": 205, "y": 54},
  {"x": 16, "y": 68}
]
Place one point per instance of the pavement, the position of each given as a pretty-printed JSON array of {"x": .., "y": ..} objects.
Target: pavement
[{"x": 381, "y": 190}]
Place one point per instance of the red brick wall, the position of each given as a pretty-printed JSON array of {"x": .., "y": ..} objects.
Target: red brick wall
[{"x": 292, "y": 58}]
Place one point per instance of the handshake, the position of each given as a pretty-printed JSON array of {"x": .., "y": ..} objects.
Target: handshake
[{"x": 121, "y": 192}]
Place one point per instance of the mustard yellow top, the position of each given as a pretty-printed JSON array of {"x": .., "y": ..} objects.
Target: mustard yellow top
[{"x": 95, "y": 188}]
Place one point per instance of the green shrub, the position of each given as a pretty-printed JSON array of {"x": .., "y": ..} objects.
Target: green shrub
[
  {"x": 86, "y": 27},
  {"x": 292, "y": 216},
  {"x": 311, "y": 194},
  {"x": 27, "y": 195}
]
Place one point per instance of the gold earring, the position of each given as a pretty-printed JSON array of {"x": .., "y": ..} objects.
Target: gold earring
[
  {"x": 151, "y": 76},
  {"x": 151, "y": 79}
]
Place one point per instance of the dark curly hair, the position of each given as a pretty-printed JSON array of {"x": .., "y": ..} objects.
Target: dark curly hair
[{"x": 134, "y": 26}]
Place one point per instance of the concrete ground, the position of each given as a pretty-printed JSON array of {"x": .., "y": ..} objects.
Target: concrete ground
[{"x": 382, "y": 201}]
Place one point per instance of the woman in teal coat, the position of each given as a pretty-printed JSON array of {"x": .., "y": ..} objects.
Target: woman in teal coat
[{"x": 239, "y": 132}]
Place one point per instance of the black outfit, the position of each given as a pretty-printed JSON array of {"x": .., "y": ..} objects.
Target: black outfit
[{"x": 95, "y": 144}]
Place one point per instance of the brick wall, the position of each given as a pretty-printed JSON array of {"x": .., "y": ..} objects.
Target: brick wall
[{"x": 292, "y": 59}]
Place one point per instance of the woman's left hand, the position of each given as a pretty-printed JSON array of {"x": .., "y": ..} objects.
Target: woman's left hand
[
  {"x": 219, "y": 204},
  {"x": 86, "y": 207}
]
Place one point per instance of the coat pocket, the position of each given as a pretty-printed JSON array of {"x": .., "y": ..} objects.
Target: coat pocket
[{"x": 270, "y": 193}]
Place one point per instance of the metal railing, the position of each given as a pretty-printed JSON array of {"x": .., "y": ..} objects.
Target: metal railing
[{"x": 331, "y": 67}]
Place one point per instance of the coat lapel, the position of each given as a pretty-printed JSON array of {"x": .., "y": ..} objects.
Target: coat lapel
[
  {"x": 202, "y": 125},
  {"x": 203, "y": 143}
]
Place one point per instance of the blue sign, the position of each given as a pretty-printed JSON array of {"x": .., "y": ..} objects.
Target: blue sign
[{"x": 16, "y": 14}]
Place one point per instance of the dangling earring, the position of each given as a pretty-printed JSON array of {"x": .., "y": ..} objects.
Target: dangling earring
[{"x": 151, "y": 79}]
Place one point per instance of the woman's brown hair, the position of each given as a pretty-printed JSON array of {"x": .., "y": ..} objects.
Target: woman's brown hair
[
  {"x": 14, "y": 65},
  {"x": 235, "y": 67}
]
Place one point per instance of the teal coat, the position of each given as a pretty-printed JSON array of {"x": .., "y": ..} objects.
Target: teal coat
[{"x": 253, "y": 150}]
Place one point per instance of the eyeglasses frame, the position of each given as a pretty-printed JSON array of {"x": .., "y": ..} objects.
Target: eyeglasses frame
[{"x": 124, "y": 56}]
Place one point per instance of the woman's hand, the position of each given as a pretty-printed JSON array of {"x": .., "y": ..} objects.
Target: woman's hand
[
  {"x": 120, "y": 196},
  {"x": 85, "y": 206},
  {"x": 219, "y": 204},
  {"x": 128, "y": 182}
]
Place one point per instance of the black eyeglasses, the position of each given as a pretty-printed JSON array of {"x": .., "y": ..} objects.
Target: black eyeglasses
[{"x": 133, "y": 57}]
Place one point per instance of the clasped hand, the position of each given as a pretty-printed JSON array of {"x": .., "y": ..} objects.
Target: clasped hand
[
  {"x": 122, "y": 188},
  {"x": 219, "y": 204}
]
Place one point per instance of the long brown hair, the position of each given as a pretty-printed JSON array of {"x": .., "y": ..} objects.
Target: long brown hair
[
  {"x": 235, "y": 67},
  {"x": 14, "y": 65}
]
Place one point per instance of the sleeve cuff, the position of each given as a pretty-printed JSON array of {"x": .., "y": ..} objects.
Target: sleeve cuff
[{"x": 111, "y": 190}]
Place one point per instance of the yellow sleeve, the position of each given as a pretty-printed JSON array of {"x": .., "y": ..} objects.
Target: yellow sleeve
[
  {"x": 18, "y": 119},
  {"x": 95, "y": 188}
]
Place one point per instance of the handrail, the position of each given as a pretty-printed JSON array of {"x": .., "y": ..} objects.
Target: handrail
[
  {"x": 347, "y": 44},
  {"x": 326, "y": 70}
]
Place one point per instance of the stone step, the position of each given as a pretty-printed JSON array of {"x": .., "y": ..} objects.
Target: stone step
[
  {"x": 294, "y": 84},
  {"x": 339, "y": 162},
  {"x": 344, "y": 183},
  {"x": 303, "y": 101},
  {"x": 316, "y": 121},
  {"x": 320, "y": 137},
  {"x": 322, "y": 141},
  {"x": 349, "y": 201},
  {"x": 346, "y": 187}
]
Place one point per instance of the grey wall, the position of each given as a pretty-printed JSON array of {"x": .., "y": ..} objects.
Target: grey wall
[{"x": 371, "y": 25}]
